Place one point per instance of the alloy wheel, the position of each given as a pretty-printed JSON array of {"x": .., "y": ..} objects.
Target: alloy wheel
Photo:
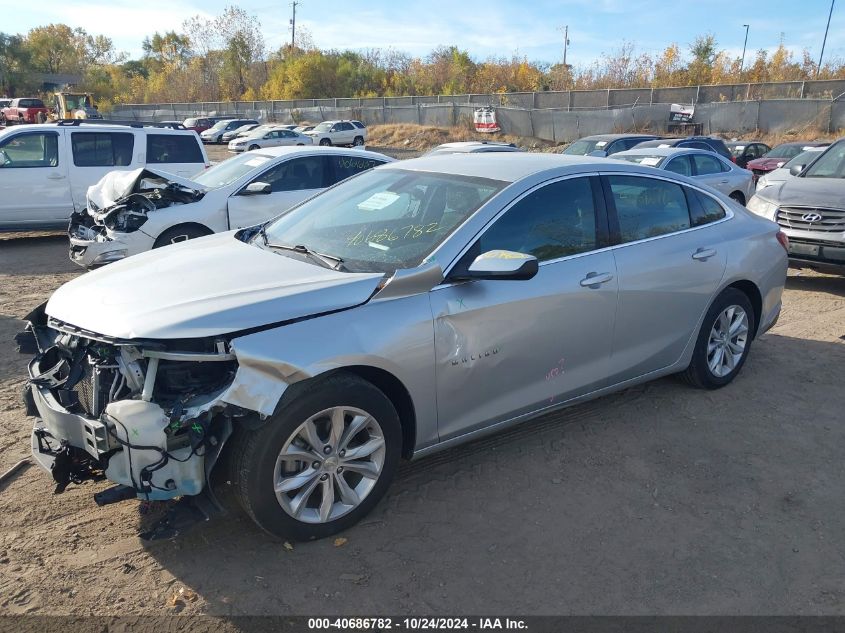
[
  {"x": 329, "y": 465},
  {"x": 727, "y": 342}
]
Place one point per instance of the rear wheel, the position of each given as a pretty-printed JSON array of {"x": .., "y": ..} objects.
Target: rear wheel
[
  {"x": 325, "y": 141},
  {"x": 723, "y": 342},
  {"x": 181, "y": 233},
  {"x": 737, "y": 195},
  {"x": 359, "y": 140},
  {"x": 321, "y": 462}
]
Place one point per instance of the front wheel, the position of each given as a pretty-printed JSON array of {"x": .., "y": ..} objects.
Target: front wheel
[
  {"x": 252, "y": 147},
  {"x": 322, "y": 462},
  {"x": 723, "y": 342},
  {"x": 181, "y": 233},
  {"x": 325, "y": 141}
]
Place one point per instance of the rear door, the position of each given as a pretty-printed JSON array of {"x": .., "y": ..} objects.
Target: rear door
[
  {"x": 291, "y": 181},
  {"x": 93, "y": 155},
  {"x": 506, "y": 348},
  {"x": 180, "y": 154},
  {"x": 711, "y": 171},
  {"x": 34, "y": 187},
  {"x": 669, "y": 263},
  {"x": 345, "y": 166}
]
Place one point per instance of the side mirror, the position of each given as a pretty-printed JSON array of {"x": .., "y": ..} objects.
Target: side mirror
[
  {"x": 503, "y": 265},
  {"x": 796, "y": 169},
  {"x": 598, "y": 153},
  {"x": 256, "y": 188}
]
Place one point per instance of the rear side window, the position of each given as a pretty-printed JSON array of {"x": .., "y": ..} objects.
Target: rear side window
[
  {"x": 359, "y": 125},
  {"x": 648, "y": 207},
  {"x": 705, "y": 165},
  {"x": 346, "y": 166},
  {"x": 308, "y": 172},
  {"x": 554, "y": 221},
  {"x": 704, "y": 209},
  {"x": 31, "y": 103},
  {"x": 102, "y": 149},
  {"x": 173, "y": 148}
]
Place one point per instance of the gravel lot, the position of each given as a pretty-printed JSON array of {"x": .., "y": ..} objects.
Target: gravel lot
[{"x": 658, "y": 500}]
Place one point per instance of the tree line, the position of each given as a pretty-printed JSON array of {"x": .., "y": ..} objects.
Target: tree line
[{"x": 225, "y": 58}]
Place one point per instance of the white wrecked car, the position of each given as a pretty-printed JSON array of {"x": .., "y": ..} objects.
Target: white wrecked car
[{"x": 132, "y": 212}]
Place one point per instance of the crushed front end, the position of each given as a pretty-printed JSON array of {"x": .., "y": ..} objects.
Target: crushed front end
[{"x": 146, "y": 415}]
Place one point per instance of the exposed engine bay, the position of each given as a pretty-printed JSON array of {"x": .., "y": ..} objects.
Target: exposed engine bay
[
  {"x": 122, "y": 200},
  {"x": 145, "y": 415}
]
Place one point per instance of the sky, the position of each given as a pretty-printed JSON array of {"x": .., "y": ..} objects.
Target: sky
[{"x": 485, "y": 28}]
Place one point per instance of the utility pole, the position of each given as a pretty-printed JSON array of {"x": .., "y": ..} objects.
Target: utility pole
[
  {"x": 824, "y": 41},
  {"x": 742, "y": 63},
  {"x": 293, "y": 24},
  {"x": 565, "y": 43}
]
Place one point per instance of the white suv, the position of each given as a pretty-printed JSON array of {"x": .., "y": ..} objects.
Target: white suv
[
  {"x": 46, "y": 169},
  {"x": 339, "y": 133}
]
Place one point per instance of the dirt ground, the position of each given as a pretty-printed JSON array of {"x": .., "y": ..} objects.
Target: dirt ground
[{"x": 658, "y": 500}]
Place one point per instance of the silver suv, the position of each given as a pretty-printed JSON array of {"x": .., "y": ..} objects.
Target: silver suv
[{"x": 811, "y": 210}]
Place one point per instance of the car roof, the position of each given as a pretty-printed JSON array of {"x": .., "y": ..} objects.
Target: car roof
[
  {"x": 504, "y": 166},
  {"x": 614, "y": 137},
  {"x": 663, "y": 151},
  {"x": 803, "y": 143},
  {"x": 105, "y": 127},
  {"x": 735, "y": 143},
  {"x": 275, "y": 152}
]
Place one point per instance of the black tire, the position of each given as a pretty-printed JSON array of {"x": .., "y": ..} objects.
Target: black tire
[
  {"x": 252, "y": 147},
  {"x": 699, "y": 373},
  {"x": 254, "y": 454},
  {"x": 325, "y": 141},
  {"x": 358, "y": 141},
  {"x": 181, "y": 233},
  {"x": 737, "y": 195}
]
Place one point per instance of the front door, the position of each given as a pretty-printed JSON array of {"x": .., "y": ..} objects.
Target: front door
[
  {"x": 34, "y": 187},
  {"x": 504, "y": 348},
  {"x": 291, "y": 182}
]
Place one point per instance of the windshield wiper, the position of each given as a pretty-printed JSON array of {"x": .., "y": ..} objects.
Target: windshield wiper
[{"x": 329, "y": 261}]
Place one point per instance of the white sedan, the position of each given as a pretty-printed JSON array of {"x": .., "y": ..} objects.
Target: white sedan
[
  {"x": 278, "y": 137},
  {"x": 706, "y": 167},
  {"x": 133, "y": 212}
]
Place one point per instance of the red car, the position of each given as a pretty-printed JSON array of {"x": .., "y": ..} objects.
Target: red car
[
  {"x": 199, "y": 124},
  {"x": 779, "y": 156},
  {"x": 25, "y": 110}
]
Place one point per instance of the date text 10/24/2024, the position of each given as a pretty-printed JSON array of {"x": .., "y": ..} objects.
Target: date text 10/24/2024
[{"x": 416, "y": 624}]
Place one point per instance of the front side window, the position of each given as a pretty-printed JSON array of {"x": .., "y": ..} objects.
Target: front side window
[
  {"x": 173, "y": 148},
  {"x": 705, "y": 165},
  {"x": 831, "y": 164},
  {"x": 298, "y": 174},
  {"x": 553, "y": 221},
  {"x": 29, "y": 150},
  {"x": 346, "y": 166},
  {"x": 102, "y": 149},
  {"x": 680, "y": 165},
  {"x": 647, "y": 207},
  {"x": 383, "y": 220}
]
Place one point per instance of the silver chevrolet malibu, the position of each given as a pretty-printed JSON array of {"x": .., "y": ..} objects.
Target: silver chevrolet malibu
[{"x": 408, "y": 309}]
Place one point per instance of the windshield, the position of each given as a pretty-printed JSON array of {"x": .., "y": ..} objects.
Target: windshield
[
  {"x": 641, "y": 159},
  {"x": 189, "y": 122},
  {"x": 785, "y": 151},
  {"x": 583, "y": 147},
  {"x": 736, "y": 150},
  {"x": 323, "y": 127},
  {"x": 831, "y": 164},
  {"x": 231, "y": 170},
  {"x": 383, "y": 220},
  {"x": 220, "y": 125},
  {"x": 804, "y": 158}
]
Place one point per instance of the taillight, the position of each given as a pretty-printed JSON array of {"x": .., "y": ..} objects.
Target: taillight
[
  {"x": 784, "y": 240},
  {"x": 733, "y": 159}
]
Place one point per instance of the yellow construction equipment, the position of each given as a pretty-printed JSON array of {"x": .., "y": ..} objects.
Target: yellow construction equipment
[{"x": 74, "y": 105}]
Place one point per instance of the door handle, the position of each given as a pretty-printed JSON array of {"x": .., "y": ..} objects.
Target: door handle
[
  {"x": 703, "y": 254},
  {"x": 594, "y": 280},
  {"x": 724, "y": 182},
  {"x": 55, "y": 177}
]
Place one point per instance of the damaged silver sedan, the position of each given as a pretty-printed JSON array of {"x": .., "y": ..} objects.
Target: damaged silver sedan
[{"x": 413, "y": 307}]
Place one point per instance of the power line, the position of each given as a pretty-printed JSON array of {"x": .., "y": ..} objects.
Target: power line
[{"x": 824, "y": 41}]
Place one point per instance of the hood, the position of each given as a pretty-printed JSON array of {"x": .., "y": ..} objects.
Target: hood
[
  {"x": 119, "y": 184},
  {"x": 827, "y": 193},
  {"x": 766, "y": 163},
  {"x": 204, "y": 287}
]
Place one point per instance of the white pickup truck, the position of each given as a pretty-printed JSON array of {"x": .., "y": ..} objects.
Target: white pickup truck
[{"x": 46, "y": 169}]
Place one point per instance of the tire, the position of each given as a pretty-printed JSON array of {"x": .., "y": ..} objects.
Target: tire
[
  {"x": 718, "y": 368},
  {"x": 325, "y": 141},
  {"x": 181, "y": 233},
  {"x": 261, "y": 457},
  {"x": 358, "y": 141},
  {"x": 252, "y": 147},
  {"x": 737, "y": 195}
]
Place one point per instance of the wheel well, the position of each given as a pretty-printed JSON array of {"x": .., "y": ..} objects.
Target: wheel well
[
  {"x": 195, "y": 225},
  {"x": 738, "y": 196},
  {"x": 399, "y": 396},
  {"x": 750, "y": 290}
]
